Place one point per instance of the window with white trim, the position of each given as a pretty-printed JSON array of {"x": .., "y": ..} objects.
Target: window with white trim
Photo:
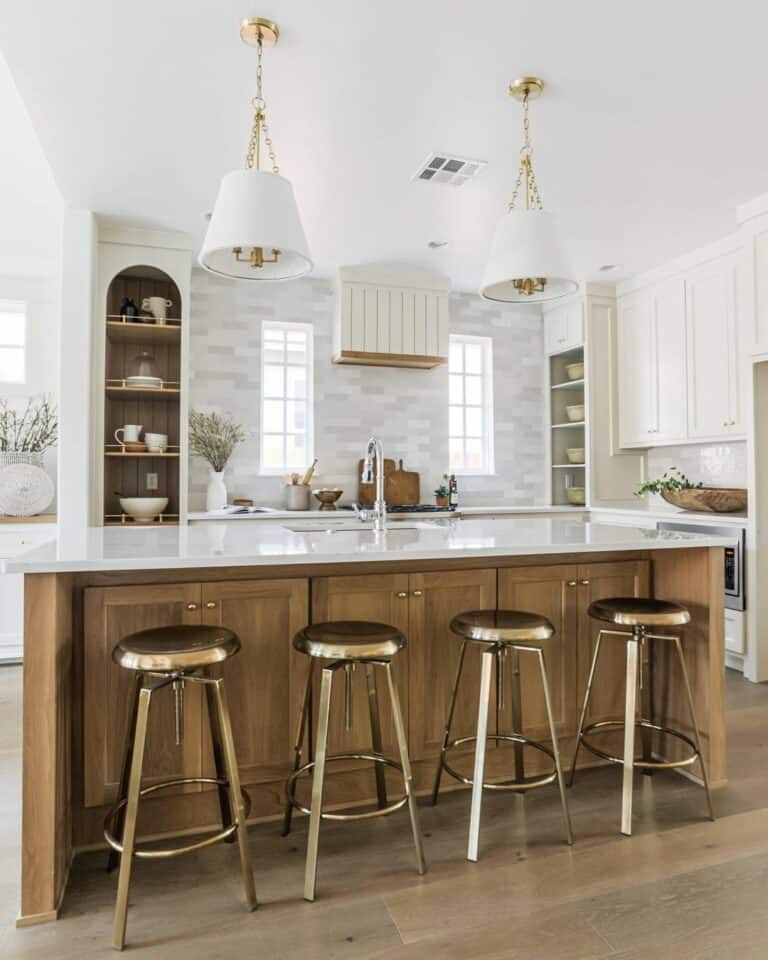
[
  {"x": 287, "y": 428},
  {"x": 470, "y": 404},
  {"x": 13, "y": 335}
]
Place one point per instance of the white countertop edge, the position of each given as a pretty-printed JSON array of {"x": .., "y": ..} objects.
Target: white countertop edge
[
  {"x": 681, "y": 516},
  {"x": 277, "y": 514}
]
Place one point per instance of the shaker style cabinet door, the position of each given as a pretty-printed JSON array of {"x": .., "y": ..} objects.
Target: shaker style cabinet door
[
  {"x": 435, "y": 599},
  {"x": 264, "y": 680},
  {"x": 563, "y": 328},
  {"x": 636, "y": 381},
  {"x": 715, "y": 407},
  {"x": 669, "y": 360},
  {"x": 111, "y": 613}
]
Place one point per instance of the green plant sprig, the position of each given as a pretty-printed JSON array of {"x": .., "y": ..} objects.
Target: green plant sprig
[
  {"x": 672, "y": 479},
  {"x": 443, "y": 490}
]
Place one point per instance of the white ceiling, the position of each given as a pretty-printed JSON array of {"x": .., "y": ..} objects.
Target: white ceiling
[{"x": 649, "y": 134}]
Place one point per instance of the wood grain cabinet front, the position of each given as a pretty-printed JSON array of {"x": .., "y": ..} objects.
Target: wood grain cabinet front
[{"x": 261, "y": 680}]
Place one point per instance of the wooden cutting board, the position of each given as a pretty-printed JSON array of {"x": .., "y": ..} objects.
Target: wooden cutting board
[{"x": 401, "y": 487}]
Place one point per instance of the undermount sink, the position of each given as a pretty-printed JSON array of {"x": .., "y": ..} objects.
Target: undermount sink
[{"x": 357, "y": 526}]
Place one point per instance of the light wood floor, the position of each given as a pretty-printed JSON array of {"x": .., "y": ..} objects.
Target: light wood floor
[{"x": 681, "y": 888}]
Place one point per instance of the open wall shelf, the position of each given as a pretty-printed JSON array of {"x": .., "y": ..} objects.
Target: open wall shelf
[
  {"x": 566, "y": 434},
  {"x": 156, "y": 409}
]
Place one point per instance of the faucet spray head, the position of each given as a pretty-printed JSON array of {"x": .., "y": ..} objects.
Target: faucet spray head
[{"x": 367, "y": 475}]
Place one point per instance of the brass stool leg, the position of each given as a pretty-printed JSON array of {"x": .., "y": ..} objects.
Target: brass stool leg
[
  {"x": 646, "y": 700},
  {"x": 402, "y": 742},
  {"x": 630, "y": 714},
  {"x": 585, "y": 706},
  {"x": 448, "y": 722},
  {"x": 131, "y": 811},
  {"x": 298, "y": 745},
  {"x": 696, "y": 735},
  {"x": 113, "y": 857},
  {"x": 318, "y": 777},
  {"x": 487, "y": 659},
  {"x": 555, "y": 747},
  {"x": 235, "y": 792},
  {"x": 373, "y": 709},
  {"x": 517, "y": 714},
  {"x": 218, "y": 756}
]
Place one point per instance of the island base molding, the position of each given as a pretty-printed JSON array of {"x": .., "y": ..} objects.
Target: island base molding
[{"x": 75, "y": 698}]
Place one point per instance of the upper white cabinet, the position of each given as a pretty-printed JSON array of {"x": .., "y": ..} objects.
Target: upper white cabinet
[
  {"x": 564, "y": 327},
  {"x": 669, "y": 348},
  {"x": 391, "y": 318},
  {"x": 715, "y": 406},
  {"x": 635, "y": 367}
]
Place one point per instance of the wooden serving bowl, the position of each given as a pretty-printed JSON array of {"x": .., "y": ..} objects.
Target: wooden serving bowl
[
  {"x": 708, "y": 499},
  {"x": 327, "y": 498}
]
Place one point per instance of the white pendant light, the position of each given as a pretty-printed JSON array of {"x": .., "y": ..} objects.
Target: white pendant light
[
  {"x": 255, "y": 231},
  {"x": 526, "y": 263}
]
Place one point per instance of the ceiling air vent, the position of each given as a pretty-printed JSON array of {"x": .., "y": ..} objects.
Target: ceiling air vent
[{"x": 451, "y": 170}]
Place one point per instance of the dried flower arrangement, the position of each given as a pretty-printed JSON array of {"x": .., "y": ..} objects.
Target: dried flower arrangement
[
  {"x": 214, "y": 438},
  {"x": 34, "y": 430}
]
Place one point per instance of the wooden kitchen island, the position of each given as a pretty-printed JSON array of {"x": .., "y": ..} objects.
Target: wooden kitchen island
[{"x": 265, "y": 581}]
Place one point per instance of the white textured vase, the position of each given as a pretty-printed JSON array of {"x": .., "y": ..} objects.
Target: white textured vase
[{"x": 216, "y": 495}]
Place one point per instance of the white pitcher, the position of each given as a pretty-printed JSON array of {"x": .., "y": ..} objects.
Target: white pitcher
[{"x": 158, "y": 307}]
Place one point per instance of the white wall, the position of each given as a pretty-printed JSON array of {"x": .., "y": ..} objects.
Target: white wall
[{"x": 407, "y": 409}]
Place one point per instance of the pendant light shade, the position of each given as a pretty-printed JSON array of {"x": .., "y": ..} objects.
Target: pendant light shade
[
  {"x": 526, "y": 264},
  {"x": 526, "y": 245},
  {"x": 256, "y": 210},
  {"x": 255, "y": 231}
]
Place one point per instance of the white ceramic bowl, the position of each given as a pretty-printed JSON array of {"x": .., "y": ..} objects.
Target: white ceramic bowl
[
  {"x": 575, "y": 371},
  {"x": 575, "y": 496},
  {"x": 143, "y": 509},
  {"x": 575, "y": 411},
  {"x": 575, "y": 454}
]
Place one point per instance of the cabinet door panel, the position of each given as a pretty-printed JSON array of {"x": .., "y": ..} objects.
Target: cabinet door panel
[
  {"x": 372, "y": 598},
  {"x": 265, "y": 679},
  {"x": 668, "y": 310},
  {"x": 707, "y": 297},
  {"x": 111, "y": 613},
  {"x": 637, "y": 414},
  {"x": 434, "y": 654},
  {"x": 620, "y": 579},
  {"x": 552, "y": 592}
]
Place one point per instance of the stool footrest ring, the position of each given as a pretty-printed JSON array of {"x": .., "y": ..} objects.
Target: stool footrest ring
[
  {"x": 367, "y": 814},
  {"x": 641, "y": 764},
  {"x": 512, "y": 785},
  {"x": 166, "y": 852}
]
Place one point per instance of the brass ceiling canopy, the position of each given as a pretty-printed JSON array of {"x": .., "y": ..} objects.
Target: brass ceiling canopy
[
  {"x": 253, "y": 29},
  {"x": 523, "y": 87}
]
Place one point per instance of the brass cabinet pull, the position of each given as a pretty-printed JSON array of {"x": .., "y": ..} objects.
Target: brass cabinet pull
[
  {"x": 191, "y": 606},
  {"x": 210, "y": 605},
  {"x": 402, "y": 594},
  {"x": 571, "y": 583},
  {"x": 418, "y": 593},
  {"x": 585, "y": 583}
]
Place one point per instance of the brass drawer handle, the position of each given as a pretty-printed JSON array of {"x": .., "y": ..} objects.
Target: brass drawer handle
[
  {"x": 571, "y": 583},
  {"x": 210, "y": 605},
  {"x": 401, "y": 594},
  {"x": 585, "y": 583},
  {"x": 418, "y": 593},
  {"x": 191, "y": 606}
]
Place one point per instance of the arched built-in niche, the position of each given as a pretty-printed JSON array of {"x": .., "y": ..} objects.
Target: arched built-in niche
[{"x": 152, "y": 403}]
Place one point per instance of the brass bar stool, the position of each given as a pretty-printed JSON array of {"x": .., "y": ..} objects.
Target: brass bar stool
[
  {"x": 642, "y": 616},
  {"x": 348, "y": 643},
  {"x": 162, "y": 657},
  {"x": 503, "y": 634}
]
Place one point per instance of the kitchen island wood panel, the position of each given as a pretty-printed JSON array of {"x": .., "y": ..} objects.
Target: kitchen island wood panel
[{"x": 70, "y": 769}]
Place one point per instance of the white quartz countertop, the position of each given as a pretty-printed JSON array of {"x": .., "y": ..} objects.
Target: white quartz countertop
[
  {"x": 273, "y": 513},
  {"x": 232, "y": 544},
  {"x": 672, "y": 513}
]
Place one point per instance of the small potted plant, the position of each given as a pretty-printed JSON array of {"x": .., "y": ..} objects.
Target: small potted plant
[
  {"x": 214, "y": 438},
  {"x": 442, "y": 492}
]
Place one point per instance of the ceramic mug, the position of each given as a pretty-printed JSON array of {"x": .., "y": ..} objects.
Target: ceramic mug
[
  {"x": 158, "y": 307},
  {"x": 130, "y": 432},
  {"x": 156, "y": 442}
]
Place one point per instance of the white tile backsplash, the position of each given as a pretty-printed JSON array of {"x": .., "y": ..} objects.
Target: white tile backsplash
[
  {"x": 406, "y": 409},
  {"x": 713, "y": 464}
]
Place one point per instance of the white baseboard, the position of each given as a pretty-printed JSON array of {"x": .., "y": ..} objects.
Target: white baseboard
[{"x": 11, "y": 647}]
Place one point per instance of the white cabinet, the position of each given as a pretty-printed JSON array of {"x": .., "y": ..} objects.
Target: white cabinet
[
  {"x": 391, "y": 319},
  {"x": 715, "y": 404},
  {"x": 635, "y": 369},
  {"x": 564, "y": 328}
]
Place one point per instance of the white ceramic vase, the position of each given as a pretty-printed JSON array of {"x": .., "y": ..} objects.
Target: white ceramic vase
[{"x": 216, "y": 495}]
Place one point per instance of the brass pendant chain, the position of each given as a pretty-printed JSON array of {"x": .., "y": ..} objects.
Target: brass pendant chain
[
  {"x": 253, "y": 154},
  {"x": 532, "y": 195}
]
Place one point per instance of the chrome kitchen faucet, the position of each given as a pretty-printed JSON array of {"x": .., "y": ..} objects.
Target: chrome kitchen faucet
[{"x": 375, "y": 449}]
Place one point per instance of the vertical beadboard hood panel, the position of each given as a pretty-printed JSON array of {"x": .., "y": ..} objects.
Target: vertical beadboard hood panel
[{"x": 390, "y": 316}]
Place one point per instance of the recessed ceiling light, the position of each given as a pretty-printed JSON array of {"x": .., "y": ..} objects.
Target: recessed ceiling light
[
  {"x": 607, "y": 267},
  {"x": 436, "y": 244}
]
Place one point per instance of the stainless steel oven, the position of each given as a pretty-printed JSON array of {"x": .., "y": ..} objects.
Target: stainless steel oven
[{"x": 735, "y": 592}]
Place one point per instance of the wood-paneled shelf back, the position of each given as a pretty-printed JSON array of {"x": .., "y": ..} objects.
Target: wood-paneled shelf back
[{"x": 138, "y": 341}]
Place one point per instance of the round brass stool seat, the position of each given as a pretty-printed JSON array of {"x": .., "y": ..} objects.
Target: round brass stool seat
[
  {"x": 639, "y": 612},
  {"x": 505, "y": 635},
  {"x": 175, "y": 649},
  {"x": 502, "y": 626},
  {"x": 349, "y": 640}
]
